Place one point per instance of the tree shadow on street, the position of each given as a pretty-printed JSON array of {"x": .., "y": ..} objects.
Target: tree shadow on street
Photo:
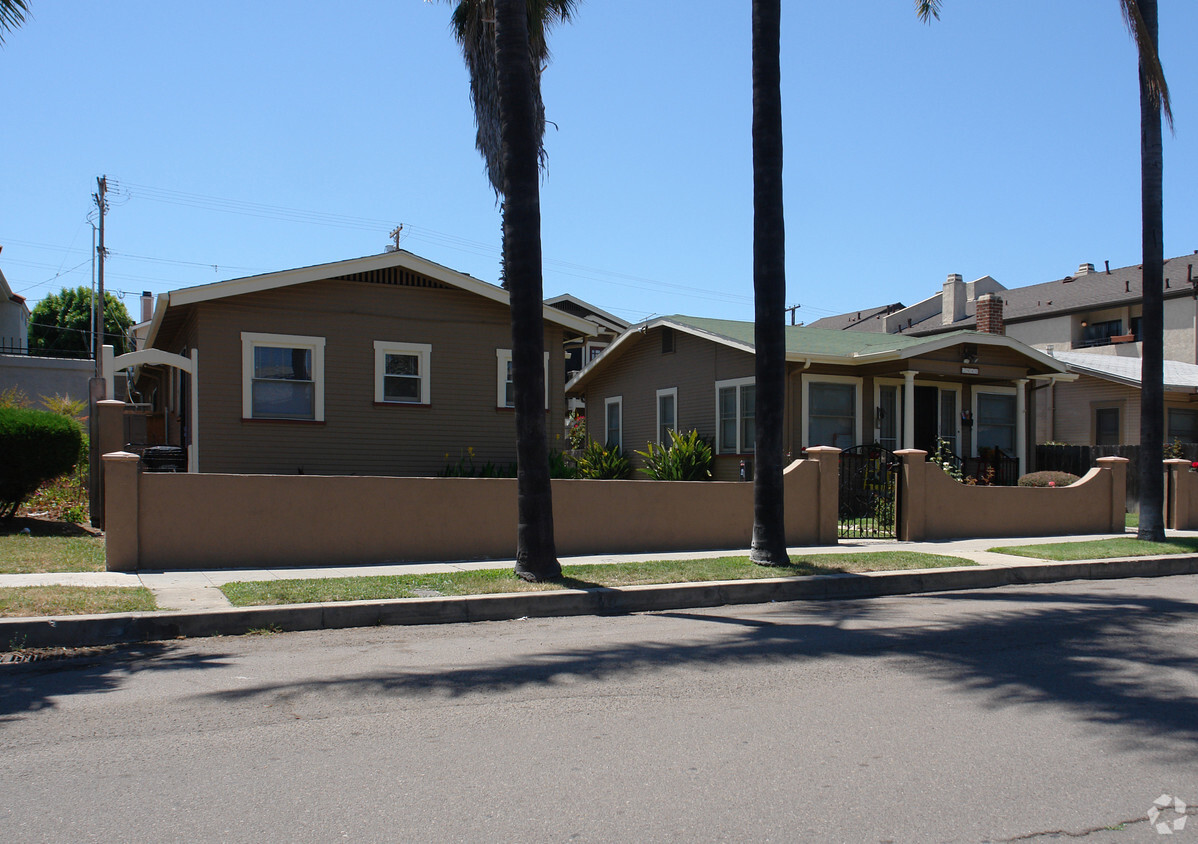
[
  {"x": 1108, "y": 658},
  {"x": 29, "y": 687}
]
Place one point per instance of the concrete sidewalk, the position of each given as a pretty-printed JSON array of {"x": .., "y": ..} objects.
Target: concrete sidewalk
[{"x": 190, "y": 590}]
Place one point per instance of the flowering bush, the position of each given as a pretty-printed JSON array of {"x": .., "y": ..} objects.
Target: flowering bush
[{"x": 1048, "y": 479}]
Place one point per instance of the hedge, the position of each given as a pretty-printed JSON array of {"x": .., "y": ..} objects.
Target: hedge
[{"x": 35, "y": 446}]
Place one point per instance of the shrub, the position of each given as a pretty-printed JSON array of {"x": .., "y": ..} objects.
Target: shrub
[
  {"x": 35, "y": 446},
  {"x": 65, "y": 406},
  {"x": 686, "y": 458},
  {"x": 1046, "y": 479},
  {"x": 599, "y": 462},
  {"x": 14, "y": 397},
  {"x": 576, "y": 429},
  {"x": 560, "y": 466}
]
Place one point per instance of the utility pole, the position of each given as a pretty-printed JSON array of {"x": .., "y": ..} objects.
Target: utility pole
[
  {"x": 101, "y": 201},
  {"x": 791, "y": 310},
  {"x": 395, "y": 233}
]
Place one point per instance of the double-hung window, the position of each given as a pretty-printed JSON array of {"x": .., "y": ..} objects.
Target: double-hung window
[
  {"x": 667, "y": 414},
  {"x": 402, "y": 373},
  {"x": 613, "y": 422},
  {"x": 995, "y": 421},
  {"x": 736, "y": 429},
  {"x": 830, "y": 403},
  {"x": 505, "y": 387},
  {"x": 1182, "y": 425},
  {"x": 282, "y": 376}
]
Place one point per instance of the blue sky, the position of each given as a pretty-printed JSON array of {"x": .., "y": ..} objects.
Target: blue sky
[{"x": 252, "y": 137}]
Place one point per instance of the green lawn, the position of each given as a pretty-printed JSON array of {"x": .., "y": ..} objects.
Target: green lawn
[
  {"x": 26, "y": 601},
  {"x": 25, "y": 554},
  {"x": 491, "y": 581},
  {"x": 1101, "y": 549}
]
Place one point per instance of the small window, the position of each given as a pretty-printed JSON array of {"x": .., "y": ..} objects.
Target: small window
[
  {"x": 613, "y": 418},
  {"x": 667, "y": 414},
  {"x": 1183, "y": 425},
  {"x": 282, "y": 377},
  {"x": 401, "y": 372},
  {"x": 505, "y": 388},
  {"x": 1106, "y": 426},
  {"x": 832, "y": 414},
  {"x": 667, "y": 340},
  {"x": 996, "y": 422},
  {"x": 736, "y": 429}
]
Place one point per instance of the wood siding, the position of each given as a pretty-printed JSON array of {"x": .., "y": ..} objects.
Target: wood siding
[{"x": 358, "y": 436}]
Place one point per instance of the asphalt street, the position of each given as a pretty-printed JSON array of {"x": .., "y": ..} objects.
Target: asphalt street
[{"x": 1025, "y": 712}]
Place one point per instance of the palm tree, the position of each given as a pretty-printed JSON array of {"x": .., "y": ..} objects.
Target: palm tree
[
  {"x": 1141, "y": 19},
  {"x": 12, "y": 15},
  {"x": 503, "y": 42},
  {"x": 769, "y": 287}
]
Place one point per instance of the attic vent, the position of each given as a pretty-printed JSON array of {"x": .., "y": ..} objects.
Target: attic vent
[
  {"x": 667, "y": 340},
  {"x": 396, "y": 277},
  {"x": 1084, "y": 269}
]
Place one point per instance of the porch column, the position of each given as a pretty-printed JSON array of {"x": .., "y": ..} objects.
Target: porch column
[
  {"x": 909, "y": 408},
  {"x": 193, "y": 451},
  {"x": 1021, "y": 423}
]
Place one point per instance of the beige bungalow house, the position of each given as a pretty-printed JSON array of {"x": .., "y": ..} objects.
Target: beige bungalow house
[
  {"x": 384, "y": 365},
  {"x": 843, "y": 388}
]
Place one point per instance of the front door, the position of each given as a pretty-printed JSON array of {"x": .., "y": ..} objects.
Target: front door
[{"x": 927, "y": 410}]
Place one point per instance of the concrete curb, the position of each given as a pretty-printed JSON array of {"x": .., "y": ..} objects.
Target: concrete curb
[{"x": 115, "y": 628}]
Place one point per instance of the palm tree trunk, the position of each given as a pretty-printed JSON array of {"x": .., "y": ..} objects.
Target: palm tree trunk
[
  {"x": 769, "y": 286},
  {"x": 1152, "y": 409},
  {"x": 536, "y": 555}
]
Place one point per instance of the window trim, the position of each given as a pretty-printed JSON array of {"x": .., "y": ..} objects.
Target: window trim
[
  {"x": 502, "y": 358},
  {"x": 977, "y": 420},
  {"x": 808, "y": 380},
  {"x": 251, "y": 340},
  {"x": 423, "y": 351},
  {"x": 673, "y": 393},
  {"x": 738, "y": 383},
  {"x": 618, "y": 401}
]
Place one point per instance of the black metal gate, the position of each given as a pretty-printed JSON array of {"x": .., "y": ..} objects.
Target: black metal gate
[{"x": 868, "y": 493}]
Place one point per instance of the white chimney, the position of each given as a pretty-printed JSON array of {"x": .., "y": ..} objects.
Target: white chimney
[
  {"x": 952, "y": 302},
  {"x": 1083, "y": 269}
]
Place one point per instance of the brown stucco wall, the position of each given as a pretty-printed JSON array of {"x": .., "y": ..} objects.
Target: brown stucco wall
[
  {"x": 176, "y": 521},
  {"x": 934, "y": 506},
  {"x": 357, "y": 436}
]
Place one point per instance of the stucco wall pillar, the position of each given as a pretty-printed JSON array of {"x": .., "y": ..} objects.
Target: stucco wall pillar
[
  {"x": 121, "y": 505},
  {"x": 1021, "y": 424},
  {"x": 912, "y": 522},
  {"x": 1117, "y": 466},
  {"x": 829, "y": 491},
  {"x": 110, "y": 437},
  {"x": 1180, "y": 494}
]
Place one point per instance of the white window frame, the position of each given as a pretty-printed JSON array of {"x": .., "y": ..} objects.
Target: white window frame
[
  {"x": 252, "y": 340},
  {"x": 673, "y": 393},
  {"x": 808, "y": 380},
  {"x": 502, "y": 358},
  {"x": 422, "y": 351},
  {"x": 738, "y": 383},
  {"x": 618, "y": 401},
  {"x": 977, "y": 420}
]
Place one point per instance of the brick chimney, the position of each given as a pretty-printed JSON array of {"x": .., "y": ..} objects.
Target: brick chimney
[
  {"x": 990, "y": 314},
  {"x": 147, "y": 306}
]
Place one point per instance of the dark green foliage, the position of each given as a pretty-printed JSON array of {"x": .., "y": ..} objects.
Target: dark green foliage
[
  {"x": 560, "y": 466},
  {"x": 1049, "y": 479},
  {"x": 35, "y": 446},
  {"x": 599, "y": 462},
  {"x": 686, "y": 458},
  {"x": 62, "y": 321}
]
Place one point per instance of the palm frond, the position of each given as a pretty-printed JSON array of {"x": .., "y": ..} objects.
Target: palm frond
[
  {"x": 927, "y": 10},
  {"x": 12, "y": 15},
  {"x": 1150, "y": 60},
  {"x": 473, "y": 27}
]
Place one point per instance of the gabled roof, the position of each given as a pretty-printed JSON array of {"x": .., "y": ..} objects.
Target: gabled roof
[
  {"x": 869, "y": 319},
  {"x": 1180, "y": 377},
  {"x": 340, "y": 269},
  {"x": 816, "y": 345},
  {"x": 579, "y": 308}
]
